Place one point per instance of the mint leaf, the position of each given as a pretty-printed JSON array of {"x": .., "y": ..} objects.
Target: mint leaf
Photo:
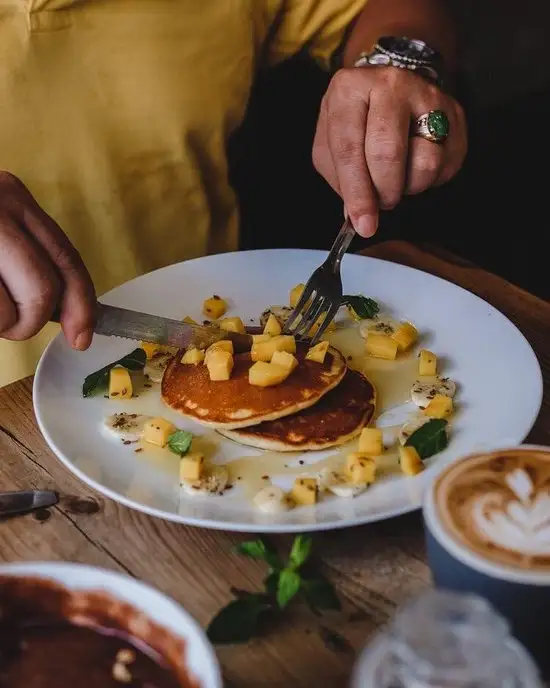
[
  {"x": 301, "y": 549},
  {"x": 288, "y": 587},
  {"x": 430, "y": 438},
  {"x": 179, "y": 442},
  {"x": 97, "y": 381},
  {"x": 238, "y": 621},
  {"x": 257, "y": 549},
  {"x": 320, "y": 594},
  {"x": 363, "y": 307}
]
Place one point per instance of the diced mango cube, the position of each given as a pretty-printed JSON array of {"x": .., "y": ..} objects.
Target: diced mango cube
[
  {"x": 284, "y": 359},
  {"x": 360, "y": 468},
  {"x": 120, "y": 384},
  {"x": 220, "y": 365},
  {"x": 405, "y": 336},
  {"x": 304, "y": 491},
  {"x": 150, "y": 349},
  {"x": 157, "y": 431},
  {"x": 257, "y": 338},
  {"x": 263, "y": 374},
  {"x": 427, "y": 363},
  {"x": 222, "y": 345},
  {"x": 191, "y": 466},
  {"x": 295, "y": 294},
  {"x": 285, "y": 342},
  {"x": 273, "y": 326},
  {"x": 318, "y": 352},
  {"x": 233, "y": 325},
  {"x": 381, "y": 346},
  {"x": 264, "y": 350},
  {"x": 440, "y": 406},
  {"x": 193, "y": 357},
  {"x": 371, "y": 442},
  {"x": 214, "y": 307},
  {"x": 411, "y": 463},
  {"x": 190, "y": 320}
]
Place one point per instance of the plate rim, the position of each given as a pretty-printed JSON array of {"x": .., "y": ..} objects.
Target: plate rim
[{"x": 274, "y": 528}]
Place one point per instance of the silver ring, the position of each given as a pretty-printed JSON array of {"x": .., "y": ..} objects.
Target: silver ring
[{"x": 433, "y": 126}]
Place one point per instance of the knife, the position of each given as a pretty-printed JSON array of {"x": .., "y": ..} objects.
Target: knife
[
  {"x": 12, "y": 503},
  {"x": 121, "y": 322}
]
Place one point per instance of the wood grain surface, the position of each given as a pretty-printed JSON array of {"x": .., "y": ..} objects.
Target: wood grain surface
[{"x": 374, "y": 567}]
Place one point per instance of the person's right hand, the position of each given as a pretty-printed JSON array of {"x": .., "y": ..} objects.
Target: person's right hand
[{"x": 40, "y": 271}]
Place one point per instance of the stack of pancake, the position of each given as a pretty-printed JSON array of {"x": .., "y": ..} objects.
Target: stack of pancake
[{"x": 320, "y": 405}]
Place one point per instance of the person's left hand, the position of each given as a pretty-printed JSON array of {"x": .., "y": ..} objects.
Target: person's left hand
[{"x": 363, "y": 145}]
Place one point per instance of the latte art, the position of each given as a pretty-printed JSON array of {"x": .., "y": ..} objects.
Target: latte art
[{"x": 498, "y": 505}]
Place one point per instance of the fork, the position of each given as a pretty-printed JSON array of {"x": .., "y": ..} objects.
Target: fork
[{"x": 323, "y": 292}]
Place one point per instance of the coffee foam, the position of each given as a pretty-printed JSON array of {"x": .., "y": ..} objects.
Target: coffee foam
[{"x": 497, "y": 506}]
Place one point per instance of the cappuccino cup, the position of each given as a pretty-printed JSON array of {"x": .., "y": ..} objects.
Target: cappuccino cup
[{"x": 487, "y": 524}]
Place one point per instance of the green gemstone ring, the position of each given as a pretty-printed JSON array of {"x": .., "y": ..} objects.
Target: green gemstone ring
[{"x": 433, "y": 126}]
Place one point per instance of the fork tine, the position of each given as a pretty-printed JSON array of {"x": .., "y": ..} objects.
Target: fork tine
[
  {"x": 329, "y": 317},
  {"x": 301, "y": 316},
  {"x": 310, "y": 316},
  {"x": 304, "y": 298}
]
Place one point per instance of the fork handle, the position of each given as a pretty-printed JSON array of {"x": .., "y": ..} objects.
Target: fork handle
[{"x": 341, "y": 244}]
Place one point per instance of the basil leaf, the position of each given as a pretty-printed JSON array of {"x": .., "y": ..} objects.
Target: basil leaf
[
  {"x": 320, "y": 594},
  {"x": 430, "y": 438},
  {"x": 179, "y": 442},
  {"x": 94, "y": 382},
  {"x": 301, "y": 549},
  {"x": 238, "y": 621},
  {"x": 288, "y": 586},
  {"x": 257, "y": 549},
  {"x": 363, "y": 307}
]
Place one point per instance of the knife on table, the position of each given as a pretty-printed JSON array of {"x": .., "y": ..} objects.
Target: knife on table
[
  {"x": 12, "y": 503},
  {"x": 121, "y": 322}
]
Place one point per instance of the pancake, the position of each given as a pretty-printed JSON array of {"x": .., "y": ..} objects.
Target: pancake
[
  {"x": 334, "y": 420},
  {"x": 236, "y": 403}
]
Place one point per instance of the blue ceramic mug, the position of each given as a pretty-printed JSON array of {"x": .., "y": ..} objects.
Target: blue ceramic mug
[{"x": 487, "y": 523}]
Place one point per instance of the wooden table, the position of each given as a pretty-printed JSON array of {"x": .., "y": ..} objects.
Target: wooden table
[{"x": 374, "y": 567}]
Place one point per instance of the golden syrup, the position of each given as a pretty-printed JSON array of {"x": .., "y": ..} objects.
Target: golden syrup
[
  {"x": 159, "y": 457},
  {"x": 252, "y": 473},
  {"x": 393, "y": 379}
]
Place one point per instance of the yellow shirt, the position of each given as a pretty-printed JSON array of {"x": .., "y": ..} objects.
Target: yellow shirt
[{"x": 116, "y": 114}]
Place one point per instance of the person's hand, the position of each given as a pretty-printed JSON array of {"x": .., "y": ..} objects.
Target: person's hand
[
  {"x": 363, "y": 145},
  {"x": 40, "y": 270}
]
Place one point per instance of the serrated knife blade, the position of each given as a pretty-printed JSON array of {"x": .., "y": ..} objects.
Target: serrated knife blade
[{"x": 121, "y": 322}]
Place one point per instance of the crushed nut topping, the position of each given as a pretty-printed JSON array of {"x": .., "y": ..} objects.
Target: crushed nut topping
[
  {"x": 126, "y": 656},
  {"x": 120, "y": 673}
]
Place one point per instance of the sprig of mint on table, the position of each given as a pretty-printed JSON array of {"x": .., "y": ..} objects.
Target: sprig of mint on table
[
  {"x": 97, "y": 381},
  {"x": 285, "y": 581},
  {"x": 362, "y": 306}
]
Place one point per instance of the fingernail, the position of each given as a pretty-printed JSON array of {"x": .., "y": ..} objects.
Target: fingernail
[
  {"x": 83, "y": 340},
  {"x": 367, "y": 225}
]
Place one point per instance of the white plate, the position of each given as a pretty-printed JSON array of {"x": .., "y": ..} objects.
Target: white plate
[
  {"x": 201, "y": 660},
  {"x": 500, "y": 386}
]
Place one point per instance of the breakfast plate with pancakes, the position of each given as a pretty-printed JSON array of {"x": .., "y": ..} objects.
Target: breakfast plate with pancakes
[{"x": 415, "y": 373}]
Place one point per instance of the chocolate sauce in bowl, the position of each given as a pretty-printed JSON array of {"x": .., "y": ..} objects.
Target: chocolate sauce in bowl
[{"x": 51, "y": 637}]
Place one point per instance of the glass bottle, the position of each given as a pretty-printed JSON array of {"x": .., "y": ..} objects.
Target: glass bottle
[{"x": 446, "y": 640}]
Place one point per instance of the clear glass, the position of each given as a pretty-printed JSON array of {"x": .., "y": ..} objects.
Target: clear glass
[{"x": 448, "y": 640}]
